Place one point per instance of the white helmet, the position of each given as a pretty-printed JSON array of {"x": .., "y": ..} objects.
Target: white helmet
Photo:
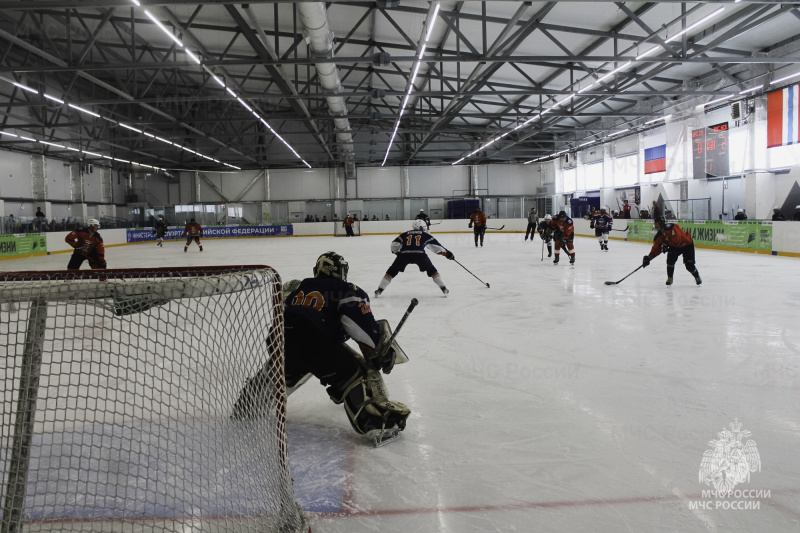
[
  {"x": 421, "y": 210},
  {"x": 548, "y": 217},
  {"x": 419, "y": 224},
  {"x": 93, "y": 222},
  {"x": 740, "y": 211}
]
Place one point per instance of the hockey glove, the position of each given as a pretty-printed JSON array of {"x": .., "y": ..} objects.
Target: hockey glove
[
  {"x": 383, "y": 357},
  {"x": 645, "y": 261},
  {"x": 591, "y": 225},
  {"x": 470, "y": 225},
  {"x": 450, "y": 255},
  {"x": 665, "y": 248}
]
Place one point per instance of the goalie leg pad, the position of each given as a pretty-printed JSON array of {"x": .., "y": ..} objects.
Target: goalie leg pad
[{"x": 367, "y": 406}]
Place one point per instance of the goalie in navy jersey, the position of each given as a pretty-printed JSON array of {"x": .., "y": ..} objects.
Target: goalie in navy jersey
[
  {"x": 409, "y": 247},
  {"x": 601, "y": 223},
  {"x": 321, "y": 314}
]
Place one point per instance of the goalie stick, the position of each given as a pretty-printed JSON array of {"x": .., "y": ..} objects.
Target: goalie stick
[{"x": 623, "y": 279}]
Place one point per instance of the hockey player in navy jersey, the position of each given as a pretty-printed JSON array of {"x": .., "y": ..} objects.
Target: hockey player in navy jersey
[
  {"x": 321, "y": 314},
  {"x": 601, "y": 223},
  {"x": 546, "y": 233},
  {"x": 409, "y": 247}
]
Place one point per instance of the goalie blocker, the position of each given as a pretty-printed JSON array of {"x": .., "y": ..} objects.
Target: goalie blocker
[{"x": 321, "y": 314}]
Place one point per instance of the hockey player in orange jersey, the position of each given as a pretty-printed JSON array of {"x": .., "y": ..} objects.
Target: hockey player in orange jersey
[
  {"x": 87, "y": 245},
  {"x": 672, "y": 240},
  {"x": 194, "y": 231},
  {"x": 477, "y": 220},
  {"x": 563, "y": 235}
]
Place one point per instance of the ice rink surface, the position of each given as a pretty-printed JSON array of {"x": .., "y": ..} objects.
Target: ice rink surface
[{"x": 550, "y": 401}]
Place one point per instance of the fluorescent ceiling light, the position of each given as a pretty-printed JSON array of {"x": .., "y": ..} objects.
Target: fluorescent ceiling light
[
  {"x": 82, "y": 110},
  {"x": 696, "y": 24},
  {"x": 432, "y": 22},
  {"x": 648, "y": 53},
  {"x": 751, "y": 90},
  {"x": 719, "y": 100},
  {"x": 26, "y": 88},
  {"x": 790, "y": 76},
  {"x": 53, "y": 98},
  {"x": 163, "y": 28},
  {"x": 618, "y": 132}
]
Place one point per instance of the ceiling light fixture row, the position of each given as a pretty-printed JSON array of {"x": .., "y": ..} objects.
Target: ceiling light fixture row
[
  {"x": 427, "y": 30},
  {"x": 85, "y": 111},
  {"x": 221, "y": 83},
  {"x": 622, "y": 67}
]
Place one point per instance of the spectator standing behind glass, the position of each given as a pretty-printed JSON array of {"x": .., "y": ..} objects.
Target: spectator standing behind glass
[
  {"x": 777, "y": 215},
  {"x": 626, "y": 209},
  {"x": 740, "y": 215},
  {"x": 655, "y": 212}
]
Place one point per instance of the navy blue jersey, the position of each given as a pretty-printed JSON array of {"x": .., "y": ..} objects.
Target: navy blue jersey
[
  {"x": 415, "y": 242},
  {"x": 602, "y": 221},
  {"x": 338, "y": 310}
]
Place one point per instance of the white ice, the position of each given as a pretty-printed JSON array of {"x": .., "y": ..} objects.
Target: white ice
[{"x": 549, "y": 401}]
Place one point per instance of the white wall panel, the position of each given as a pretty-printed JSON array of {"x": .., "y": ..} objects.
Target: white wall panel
[
  {"x": 438, "y": 181},
  {"x": 512, "y": 180},
  {"x": 311, "y": 184},
  {"x": 379, "y": 182},
  {"x": 58, "y": 185},
  {"x": 15, "y": 175}
]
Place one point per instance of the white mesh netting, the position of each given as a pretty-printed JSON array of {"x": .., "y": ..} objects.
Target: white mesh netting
[{"x": 118, "y": 392}]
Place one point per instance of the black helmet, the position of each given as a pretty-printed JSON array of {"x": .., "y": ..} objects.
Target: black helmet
[
  {"x": 331, "y": 265},
  {"x": 660, "y": 221},
  {"x": 562, "y": 213}
]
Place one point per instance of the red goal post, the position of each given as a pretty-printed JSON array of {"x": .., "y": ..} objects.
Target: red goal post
[{"x": 120, "y": 386}]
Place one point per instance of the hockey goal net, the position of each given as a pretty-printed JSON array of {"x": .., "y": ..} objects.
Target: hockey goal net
[
  {"x": 119, "y": 391},
  {"x": 340, "y": 231}
]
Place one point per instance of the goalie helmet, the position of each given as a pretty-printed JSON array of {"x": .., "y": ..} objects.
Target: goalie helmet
[
  {"x": 93, "y": 222},
  {"x": 419, "y": 224},
  {"x": 331, "y": 265}
]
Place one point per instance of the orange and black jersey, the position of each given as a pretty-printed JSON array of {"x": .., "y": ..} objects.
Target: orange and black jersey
[
  {"x": 88, "y": 244},
  {"x": 348, "y": 221},
  {"x": 338, "y": 310},
  {"x": 672, "y": 235},
  {"x": 193, "y": 230},
  {"x": 477, "y": 219},
  {"x": 566, "y": 227}
]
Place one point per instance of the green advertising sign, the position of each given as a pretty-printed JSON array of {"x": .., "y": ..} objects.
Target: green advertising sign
[
  {"x": 740, "y": 234},
  {"x": 33, "y": 243}
]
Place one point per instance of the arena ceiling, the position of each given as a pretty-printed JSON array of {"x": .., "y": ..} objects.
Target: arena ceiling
[{"x": 215, "y": 84}]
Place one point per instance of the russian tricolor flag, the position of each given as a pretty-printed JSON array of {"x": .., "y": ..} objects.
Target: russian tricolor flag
[
  {"x": 655, "y": 159},
  {"x": 783, "y": 116}
]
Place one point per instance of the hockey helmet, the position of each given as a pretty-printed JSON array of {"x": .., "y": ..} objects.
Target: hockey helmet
[
  {"x": 797, "y": 207},
  {"x": 533, "y": 209},
  {"x": 419, "y": 224},
  {"x": 548, "y": 218},
  {"x": 331, "y": 265},
  {"x": 478, "y": 209},
  {"x": 562, "y": 214},
  {"x": 740, "y": 211},
  {"x": 93, "y": 222},
  {"x": 603, "y": 210},
  {"x": 421, "y": 210},
  {"x": 191, "y": 220},
  {"x": 660, "y": 221},
  {"x": 776, "y": 209}
]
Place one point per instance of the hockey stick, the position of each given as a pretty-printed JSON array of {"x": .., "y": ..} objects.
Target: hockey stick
[
  {"x": 542, "y": 249},
  {"x": 496, "y": 229},
  {"x": 473, "y": 275},
  {"x": 626, "y": 229},
  {"x": 623, "y": 279},
  {"x": 411, "y": 307}
]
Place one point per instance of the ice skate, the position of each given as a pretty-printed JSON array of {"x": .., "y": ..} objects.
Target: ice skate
[
  {"x": 572, "y": 260},
  {"x": 481, "y": 243},
  {"x": 445, "y": 291},
  {"x": 378, "y": 292},
  {"x": 201, "y": 248},
  {"x": 476, "y": 244},
  {"x": 549, "y": 253},
  {"x": 555, "y": 261},
  {"x": 185, "y": 250},
  {"x": 697, "y": 279},
  {"x": 381, "y": 437},
  {"x": 669, "y": 280}
]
